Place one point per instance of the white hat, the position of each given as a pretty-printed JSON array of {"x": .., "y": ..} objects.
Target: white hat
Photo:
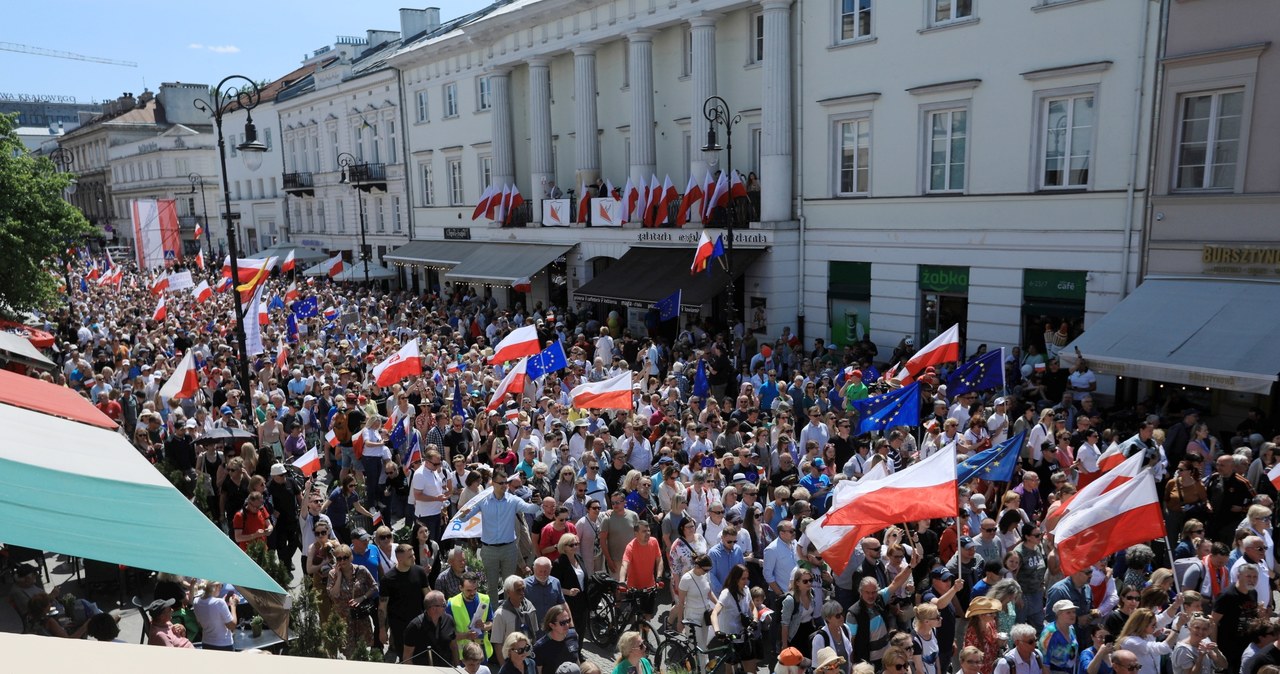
[
  {"x": 1000, "y": 401},
  {"x": 278, "y": 469},
  {"x": 827, "y": 656}
]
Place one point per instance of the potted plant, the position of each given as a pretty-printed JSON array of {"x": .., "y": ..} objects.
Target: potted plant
[{"x": 255, "y": 626}]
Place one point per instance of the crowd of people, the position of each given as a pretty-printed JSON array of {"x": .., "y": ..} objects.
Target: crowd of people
[{"x": 704, "y": 488}]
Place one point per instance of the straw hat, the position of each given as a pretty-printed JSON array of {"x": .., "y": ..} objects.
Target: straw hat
[
  {"x": 827, "y": 657},
  {"x": 982, "y": 605}
]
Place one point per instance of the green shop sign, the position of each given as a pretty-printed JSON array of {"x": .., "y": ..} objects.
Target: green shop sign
[
  {"x": 1053, "y": 284},
  {"x": 940, "y": 279}
]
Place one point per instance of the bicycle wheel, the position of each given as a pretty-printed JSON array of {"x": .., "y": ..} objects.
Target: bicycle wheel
[
  {"x": 653, "y": 644},
  {"x": 676, "y": 654},
  {"x": 601, "y": 626}
]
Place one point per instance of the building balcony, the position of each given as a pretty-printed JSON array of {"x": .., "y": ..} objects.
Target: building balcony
[
  {"x": 299, "y": 184},
  {"x": 186, "y": 222},
  {"x": 367, "y": 177}
]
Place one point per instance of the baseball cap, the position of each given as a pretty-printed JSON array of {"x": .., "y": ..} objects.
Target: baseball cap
[
  {"x": 1063, "y": 605},
  {"x": 159, "y": 604},
  {"x": 942, "y": 573},
  {"x": 819, "y": 464},
  {"x": 790, "y": 657},
  {"x": 1000, "y": 401},
  {"x": 191, "y": 423},
  {"x": 361, "y": 535},
  {"x": 965, "y": 541},
  {"x": 226, "y": 409}
]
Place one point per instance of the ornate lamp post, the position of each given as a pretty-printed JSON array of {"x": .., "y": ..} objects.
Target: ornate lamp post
[
  {"x": 717, "y": 112},
  {"x": 197, "y": 184},
  {"x": 350, "y": 165}
]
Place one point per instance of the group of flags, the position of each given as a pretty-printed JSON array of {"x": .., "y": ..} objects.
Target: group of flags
[{"x": 498, "y": 203}]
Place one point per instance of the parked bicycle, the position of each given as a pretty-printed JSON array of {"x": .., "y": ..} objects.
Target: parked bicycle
[
  {"x": 617, "y": 608},
  {"x": 680, "y": 652}
]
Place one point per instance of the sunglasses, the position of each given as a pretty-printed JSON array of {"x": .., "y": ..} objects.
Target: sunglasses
[
  {"x": 522, "y": 650},
  {"x": 564, "y": 623},
  {"x": 342, "y": 558},
  {"x": 571, "y": 545},
  {"x": 321, "y": 533}
]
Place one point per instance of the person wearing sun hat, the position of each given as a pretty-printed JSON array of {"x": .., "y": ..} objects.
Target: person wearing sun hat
[
  {"x": 827, "y": 661},
  {"x": 982, "y": 632}
]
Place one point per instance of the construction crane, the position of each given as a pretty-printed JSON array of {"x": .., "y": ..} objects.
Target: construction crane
[{"x": 38, "y": 51}]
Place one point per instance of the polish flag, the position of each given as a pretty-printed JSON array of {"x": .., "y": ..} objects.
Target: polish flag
[
  {"x": 517, "y": 200},
  {"x": 645, "y": 197},
  {"x": 202, "y": 292},
  {"x": 333, "y": 266},
  {"x": 224, "y": 285},
  {"x": 518, "y": 343},
  {"x": 611, "y": 394},
  {"x": 263, "y": 316},
  {"x": 93, "y": 272},
  {"x": 282, "y": 357},
  {"x": 1123, "y": 472},
  {"x": 160, "y": 312},
  {"x": 332, "y": 438},
  {"x": 737, "y": 190},
  {"x": 719, "y": 198},
  {"x": 708, "y": 189},
  {"x": 160, "y": 283},
  {"x": 404, "y": 363},
  {"x": 692, "y": 194},
  {"x": 584, "y": 203},
  {"x": 631, "y": 196},
  {"x": 944, "y": 348},
  {"x": 200, "y": 259},
  {"x": 608, "y": 189},
  {"x": 835, "y": 543},
  {"x": 1128, "y": 515},
  {"x": 522, "y": 285},
  {"x": 288, "y": 262},
  {"x": 483, "y": 205},
  {"x": 513, "y": 383},
  {"x": 183, "y": 382},
  {"x": 291, "y": 293},
  {"x": 308, "y": 463},
  {"x": 926, "y": 490},
  {"x": 492, "y": 208},
  {"x": 1274, "y": 476},
  {"x": 503, "y": 200},
  {"x": 199, "y": 231},
  {"x": 669, "y": 195},
  {"x": 653, "y": 203},
  {"x": 703, "y": 253},
  {"x": 1111, "y": 458}
]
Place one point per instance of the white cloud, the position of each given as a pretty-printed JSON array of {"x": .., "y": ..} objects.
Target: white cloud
[
  {"x": 195, "y": 45},
  {"x": 224, "y": 49}
]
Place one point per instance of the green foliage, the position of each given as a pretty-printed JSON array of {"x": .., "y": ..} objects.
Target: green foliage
[
  {"x": 474, "y": 563},
  {"x": 269, "y": 562},
  {"x": 304, "y": 622},
  {"x": 36, "y": 224}
]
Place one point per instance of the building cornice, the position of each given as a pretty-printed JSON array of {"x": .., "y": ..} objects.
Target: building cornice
[{"x": 1251, "y": 50}]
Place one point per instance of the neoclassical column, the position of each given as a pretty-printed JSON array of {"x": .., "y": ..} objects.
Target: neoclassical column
[
  {"x": 775, "y": 114},
  {"x": 643, "y": 149},
  {"x": 541, "y": 168},
  {"x": 585, "y": 124},
  {"x": 504, "y": 158},
  {"x": 703, "y": 30}
]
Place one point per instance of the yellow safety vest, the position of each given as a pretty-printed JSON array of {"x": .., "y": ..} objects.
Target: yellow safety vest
[{"x": 462, "y": 621}]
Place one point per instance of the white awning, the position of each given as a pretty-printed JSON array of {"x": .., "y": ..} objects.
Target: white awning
[{"x": 1200, "y": 332}]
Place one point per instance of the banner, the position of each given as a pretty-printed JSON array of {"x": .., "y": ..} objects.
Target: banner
[
  {"x": 470, "y": 527},
  {"x": 606, "y": 212},
  {"x": 181, "y": 281},
  {"x": 556, "y": 213},
  {"x": 155, "y": 232}
]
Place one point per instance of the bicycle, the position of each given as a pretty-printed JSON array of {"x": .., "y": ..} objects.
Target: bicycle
[
  {"x": 612, "y": 613},
  {"x": 680, "y": 651}
]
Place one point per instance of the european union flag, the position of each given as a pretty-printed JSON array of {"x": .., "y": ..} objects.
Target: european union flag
[
  {"x": 398, "y": 436},
  {"x": 551, "y": 359},
  {"x": 897, "y": 408},
  {"x": 995, "y": 464},
  {"x": 84, "y": 287},
  {"x": 701, "y": 387},
  {"x": 458, "y": 409},
  {"x": 292, "y": 324},
  {"x": 306, "y": 308},
  {"x": 275, "y": 303},
  {"x": 669, "y": 308},
  {"x": 980, "y": 374}
]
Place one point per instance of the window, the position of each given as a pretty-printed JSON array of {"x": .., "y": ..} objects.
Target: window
[
  {"x": 306, "y": 157},
  {"x": 424, "y": 113},
  {"x": 315, "y": 148},
  {"x": 451, "y": 100},
  {"x": 320, "y": 216},
  {"x": 948, "y": 149},
  {"x": 755, "y": 133},
  {"x": 756, "y": 39},
  {"x": 855, "y": 19},
  {"x": 391, "y": 141},
  {"x": 686, "y": 154},
  {"x": 1068, "y": 142},
  {"x": 310, "y": 218},
  {"x": 360, "y": 141},
  {"x": 486, "y": 172},
  {"x": 428, "y": 186},
  {"x": 382, "y": 214},
  {"x": 377, "y": 143},
  {"x": 231, "y": 144},
  {"x": 342, "y": 218},
  {"x": 455, "y": 182},
  {"x": 687, "y": 67},
  {"x": 853, "y": 165},
  {"x": 266, "y": 138},
  {"x": 395, "y": 214},
  {"x": 947, "y": 11},
  {"x": 1209, "y": 140},
  {"x": 484, "y": 98}
]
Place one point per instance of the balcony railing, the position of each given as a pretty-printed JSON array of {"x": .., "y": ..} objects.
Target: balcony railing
[
  {"x": 298, "y": 181},
  {"x": 520, "y": 216},
  {"x": 367, "y": 173},
  {"x": 187, "y": 221}
]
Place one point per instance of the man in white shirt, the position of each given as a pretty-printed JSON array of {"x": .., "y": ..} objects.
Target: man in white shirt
[
  {"x": 430, "y": 494},
  {"x": 815, "y": 430},
  {"x": 998, "y": 423}
]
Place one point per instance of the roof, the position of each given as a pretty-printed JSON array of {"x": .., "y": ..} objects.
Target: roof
[
  {"x": 20, "y": 350},
  {"x": 43, "y": 397},
  {"x": 434, "y": 254},
  {"x": 1220, "y": 338},
  {"x": 643, "y": 276},
  {"x": 412, "y": 42},
  {"x": 272, "y": 91},
  {"x": 505, "y": 263}
]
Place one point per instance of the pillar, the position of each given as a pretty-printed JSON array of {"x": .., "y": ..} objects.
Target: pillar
[
  {"x": 585, "y": 123},
  {"x": 703, "y": 30},
  {"x": 775, "y": 114},
  {"x": 643, "y": 149},
  {"x": 504, "y": 159},
  {"x": 541, "y": 170}
]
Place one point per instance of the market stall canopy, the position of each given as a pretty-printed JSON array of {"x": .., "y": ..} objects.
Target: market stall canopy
[
  {"x": 39, "y": 338},
  {"x": 301, "y": 254},
  {"x": 505, "y": 263},
  {"x": 18, "y": 349},
  {"x": 643, "y": 276},
  {"x": 1200, "y": 332},
  {"x": 82, "y": 490},
  {"x": 434, "y": 254},
  {"x": 355, "y": 272}
]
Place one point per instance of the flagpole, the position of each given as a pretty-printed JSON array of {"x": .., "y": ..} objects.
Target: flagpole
[{"x": 1168, "y": 551}]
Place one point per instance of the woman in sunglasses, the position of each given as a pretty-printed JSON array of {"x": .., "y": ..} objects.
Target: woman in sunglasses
[
  {"x": 516, "y": 655},
  {"x": 350, "y": 587},
  {"x": 560, "y": 642},
  {"x": 632, "y": 656}
]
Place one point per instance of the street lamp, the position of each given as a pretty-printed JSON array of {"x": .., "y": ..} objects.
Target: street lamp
[
  {"x": 350, "y": 165},
  {"x": 63, "y": 159},
  {"x": 717, "y": 112},
  {"x": 197, "y": 181},
  {"x": 232, "y": 93}
]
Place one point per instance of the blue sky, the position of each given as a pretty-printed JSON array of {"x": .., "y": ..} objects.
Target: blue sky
[{"x": 194, "y": 42}]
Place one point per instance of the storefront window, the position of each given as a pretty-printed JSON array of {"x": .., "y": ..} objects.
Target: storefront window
[
  {"x": 848, "y": 301},
  {"x": 944, "y": 301},
  {"x": 1052, "y": 309}
]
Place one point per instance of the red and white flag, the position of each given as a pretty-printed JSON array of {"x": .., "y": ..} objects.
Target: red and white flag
[
  {"x": 288, "y": 262},
  {"x": 1125, "y": 516},
  {"x": 183, "y": 383},
  {"x": 224, "y": 285},
  {"x": 264, "y": 317},
  {"x": 613, "y": 393},
  {"x": 200, "y": 259},
  {"x": 702, "y": 254},
  {"x": 482, "y": 206},
  {"x": 160, "y": 283},
  {"x": 944, "y": 348},
  {"x": 737, "y": 189},
  {"x": 926, "y": 490},
  {"x": 631, "y": 200},
  {"x": 282, "y": 357},
  {"x": 331, "y": 437},
  {"x": 406, "y": 362},
  {"x": 199, "y": 230},
  {"x": 518, "y": 343},
  {"x": 1121, "y": 473},
  {"x": 692, "y": 195},
  {"x": 308, "y": 463},
  {"x": 493, "y": 210},
  {"x": 517, "y": 200},
  {"x": 291, "y": 293},
  {"x": 522, "y": 285},
  {"x": 202, "y": 292},
  {"x": 1274, "y": 476},
  {"x": 160, "y": 312},
  {"x": 720, "y": 197},
  {"x": 836, "y": 543},
  {"x": 512, "y": 383},
  {"x": 652, "y": 212},
  {"x": 333, "y": 266},
  {"x": 584, "y": 203}
]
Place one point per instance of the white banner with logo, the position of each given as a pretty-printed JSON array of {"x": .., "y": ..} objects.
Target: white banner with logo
[
  {"x": 606, "y": 212},
  {"x": 470, "y": 527},
  {"x": 556, "y": 213}
]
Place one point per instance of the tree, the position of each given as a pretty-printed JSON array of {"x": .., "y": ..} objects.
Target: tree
[{"x": 37, "y": 225}]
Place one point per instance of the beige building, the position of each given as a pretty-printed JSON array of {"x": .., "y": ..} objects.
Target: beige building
[{"x": 1201, "y": 319}]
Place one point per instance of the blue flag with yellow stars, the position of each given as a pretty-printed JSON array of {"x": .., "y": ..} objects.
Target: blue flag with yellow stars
[
  {"x": 995, "y": 464},
  {"x": 896, "y": 408},
  {"x": 669, "y": 307},
  {"x": 980, "y": 374}
]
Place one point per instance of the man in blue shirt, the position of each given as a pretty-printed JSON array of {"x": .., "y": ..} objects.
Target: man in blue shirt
[
  {"x": 724, "y": 556},
  {"x": 498, "y": 511},
  {"x": 819, "y": 486},
  {"x": 543, "y": 591}
]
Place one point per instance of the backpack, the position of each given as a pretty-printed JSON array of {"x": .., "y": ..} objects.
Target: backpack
[
  {"x": 848, "y": 637},
  {"x": 1012, "y": 663}
]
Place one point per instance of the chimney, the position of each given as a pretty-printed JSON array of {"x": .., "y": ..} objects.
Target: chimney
[
  {"x": 126, "y": 101},
  {"x": 145, "y": 97},
  {"x": 377, "y": 37},
  {"x": 416, "y": 21}
]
